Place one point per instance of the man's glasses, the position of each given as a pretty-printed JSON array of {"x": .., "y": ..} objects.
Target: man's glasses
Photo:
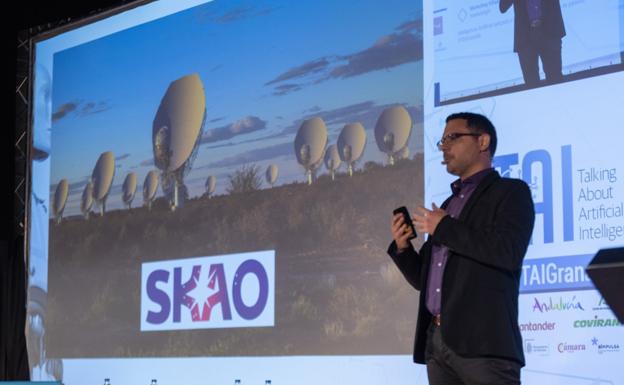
[{"x": 450, "y": 138}]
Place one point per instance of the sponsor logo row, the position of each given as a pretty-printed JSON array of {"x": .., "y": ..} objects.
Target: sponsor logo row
[
  {"x": 578, "y": 323},
  {"x": 593, "y": 346},
  {"x": 562, "y": 303}
]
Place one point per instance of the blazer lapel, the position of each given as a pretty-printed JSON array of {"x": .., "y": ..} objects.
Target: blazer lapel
[{"x": 485, "y": 183}]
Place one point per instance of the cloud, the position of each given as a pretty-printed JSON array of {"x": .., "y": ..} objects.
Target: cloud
[
  {"x": 243, "y": 126},
  {"x": 254, "y": 156},
  {"x": 122, "y": 157},
  {"x": 236, "y": 14},
  {"x": 63, "y": 110},
  {"x": 91, "y": 108},
  {"x": 389, "y": 51},
  {"x": 216, "y": 119},
  {"x": 147, "y": 162},
  {"x": 402, "y": 46},
  {"x": 286, "y": 89},
  {"x": 313, "y": 109},
  {"x": 366, "y": 112},
  {"x": 79, "y": 108},
  {"x": 306, "y": 69}
]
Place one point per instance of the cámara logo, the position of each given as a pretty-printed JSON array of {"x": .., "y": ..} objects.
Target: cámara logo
[{"x": 564, "y": 347}]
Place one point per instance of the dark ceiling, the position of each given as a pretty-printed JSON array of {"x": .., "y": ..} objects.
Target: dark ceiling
[{"x": 30, "y": 13}]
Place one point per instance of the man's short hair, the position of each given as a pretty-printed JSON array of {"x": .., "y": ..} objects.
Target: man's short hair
[{"x": 478, "y": 123}]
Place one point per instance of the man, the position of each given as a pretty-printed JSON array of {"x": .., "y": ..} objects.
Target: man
[
  {"x": 468, "y": 270},
  {"x": 538, "y": 30}
]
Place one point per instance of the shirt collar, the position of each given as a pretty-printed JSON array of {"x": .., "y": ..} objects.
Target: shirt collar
[{"x": 473, "y": 179}]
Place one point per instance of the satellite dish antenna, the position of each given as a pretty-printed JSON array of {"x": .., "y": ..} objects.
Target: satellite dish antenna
[
  {"x": 60, "y": 198},
  {"x": 332, "y": 160},
  {"x": 129, "y": 189},
  {"x": 392, "y": 131},
  {"x": 351, "y": 143},
  {"x": 150, "y": 185},
  {"x": 87, "y": 200},
  {"x": 403, "y": 153},
  {"x": 102, "y": 178},
  {"x": 176, "y": 133},
  {"x": 271, "y": 174},
  {"x": 211, "y": 185},
  {"x": 310, "y": 144}
]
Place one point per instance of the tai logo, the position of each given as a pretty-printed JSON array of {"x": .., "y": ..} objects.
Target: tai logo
[{"x": 225, "y": 291}]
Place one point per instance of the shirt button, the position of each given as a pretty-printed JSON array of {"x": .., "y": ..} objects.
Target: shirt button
[
  {"x": 437, "y": 290},
  {"x": 462, "y": 196},
  {"x": 439, "y": 264}
]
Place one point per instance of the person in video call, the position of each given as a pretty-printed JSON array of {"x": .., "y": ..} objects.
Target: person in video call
[
  {"x": 468, "y": 270},
  {"x": 538, "y": 30}
]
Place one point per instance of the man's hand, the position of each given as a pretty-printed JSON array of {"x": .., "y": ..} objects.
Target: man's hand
[
  {"x": 400, "y": 232},
  {"x": 426, "y": 221}
]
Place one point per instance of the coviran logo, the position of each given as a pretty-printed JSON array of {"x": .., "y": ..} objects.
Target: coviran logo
[
  {"x": 227, "y": 291},
  {"x": 596, "y": 323},
  {"x": 558, "y": 305},
  {"x": 564, "y": 347}
]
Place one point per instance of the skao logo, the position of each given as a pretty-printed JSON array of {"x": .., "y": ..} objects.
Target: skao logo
[{"x": 226, "y": 291}]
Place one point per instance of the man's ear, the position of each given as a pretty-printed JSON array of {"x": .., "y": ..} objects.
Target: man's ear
[{"x": 484, "y": 142}]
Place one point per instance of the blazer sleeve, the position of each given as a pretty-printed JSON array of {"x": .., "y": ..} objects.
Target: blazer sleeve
[
  {"x": 501, "y": 243},
  {"x": 409, "y": 263}
]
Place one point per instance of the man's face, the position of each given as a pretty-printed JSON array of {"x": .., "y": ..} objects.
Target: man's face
[{"x": 462, "y": 155}]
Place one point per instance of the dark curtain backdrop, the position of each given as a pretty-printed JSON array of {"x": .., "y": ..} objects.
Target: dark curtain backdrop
[{"x": 13, "y": 354}]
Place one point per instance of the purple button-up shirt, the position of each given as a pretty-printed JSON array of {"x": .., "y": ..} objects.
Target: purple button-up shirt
[
  {"x": 462, "y": 190},
  {"x": 534, "y": 10}
]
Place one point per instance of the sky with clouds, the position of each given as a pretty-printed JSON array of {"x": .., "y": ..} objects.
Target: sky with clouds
[{"x": 266, "y": 66}]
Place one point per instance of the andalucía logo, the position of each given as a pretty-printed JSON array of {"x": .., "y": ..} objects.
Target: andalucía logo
[
  {"x": 605, "y": 347},
  {"x": 560, "y": 304},
  {"x": 227, "y": 291},
  {"x": 565, "y": 347},
  {"x": 596, "y": 323}
]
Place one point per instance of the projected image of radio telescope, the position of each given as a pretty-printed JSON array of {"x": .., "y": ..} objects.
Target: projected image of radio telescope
[
  {"x": 150, "y": 185},
  {"x": 86, "y": 201},
  {"x": 271, "y": 174},
  {"x": 129, "y": 189},
  {"x": 310, "y": 145},
  {"x": 393, "y": 131},
  {"x": 332, "y": 160},
  {"x": 211, "y": 185},
  {"x": 176, "y": 133},
  {"x": 403, "y": 153},
  {"x": 102, "y": 178},
  {"x": 351, "y": 143},
  {"x": 60, "y": 198}
]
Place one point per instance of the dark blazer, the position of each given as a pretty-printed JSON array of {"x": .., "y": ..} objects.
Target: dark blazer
[
  {"x": 487, "y": 243},
  {"x": 552, "y": 26}
]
